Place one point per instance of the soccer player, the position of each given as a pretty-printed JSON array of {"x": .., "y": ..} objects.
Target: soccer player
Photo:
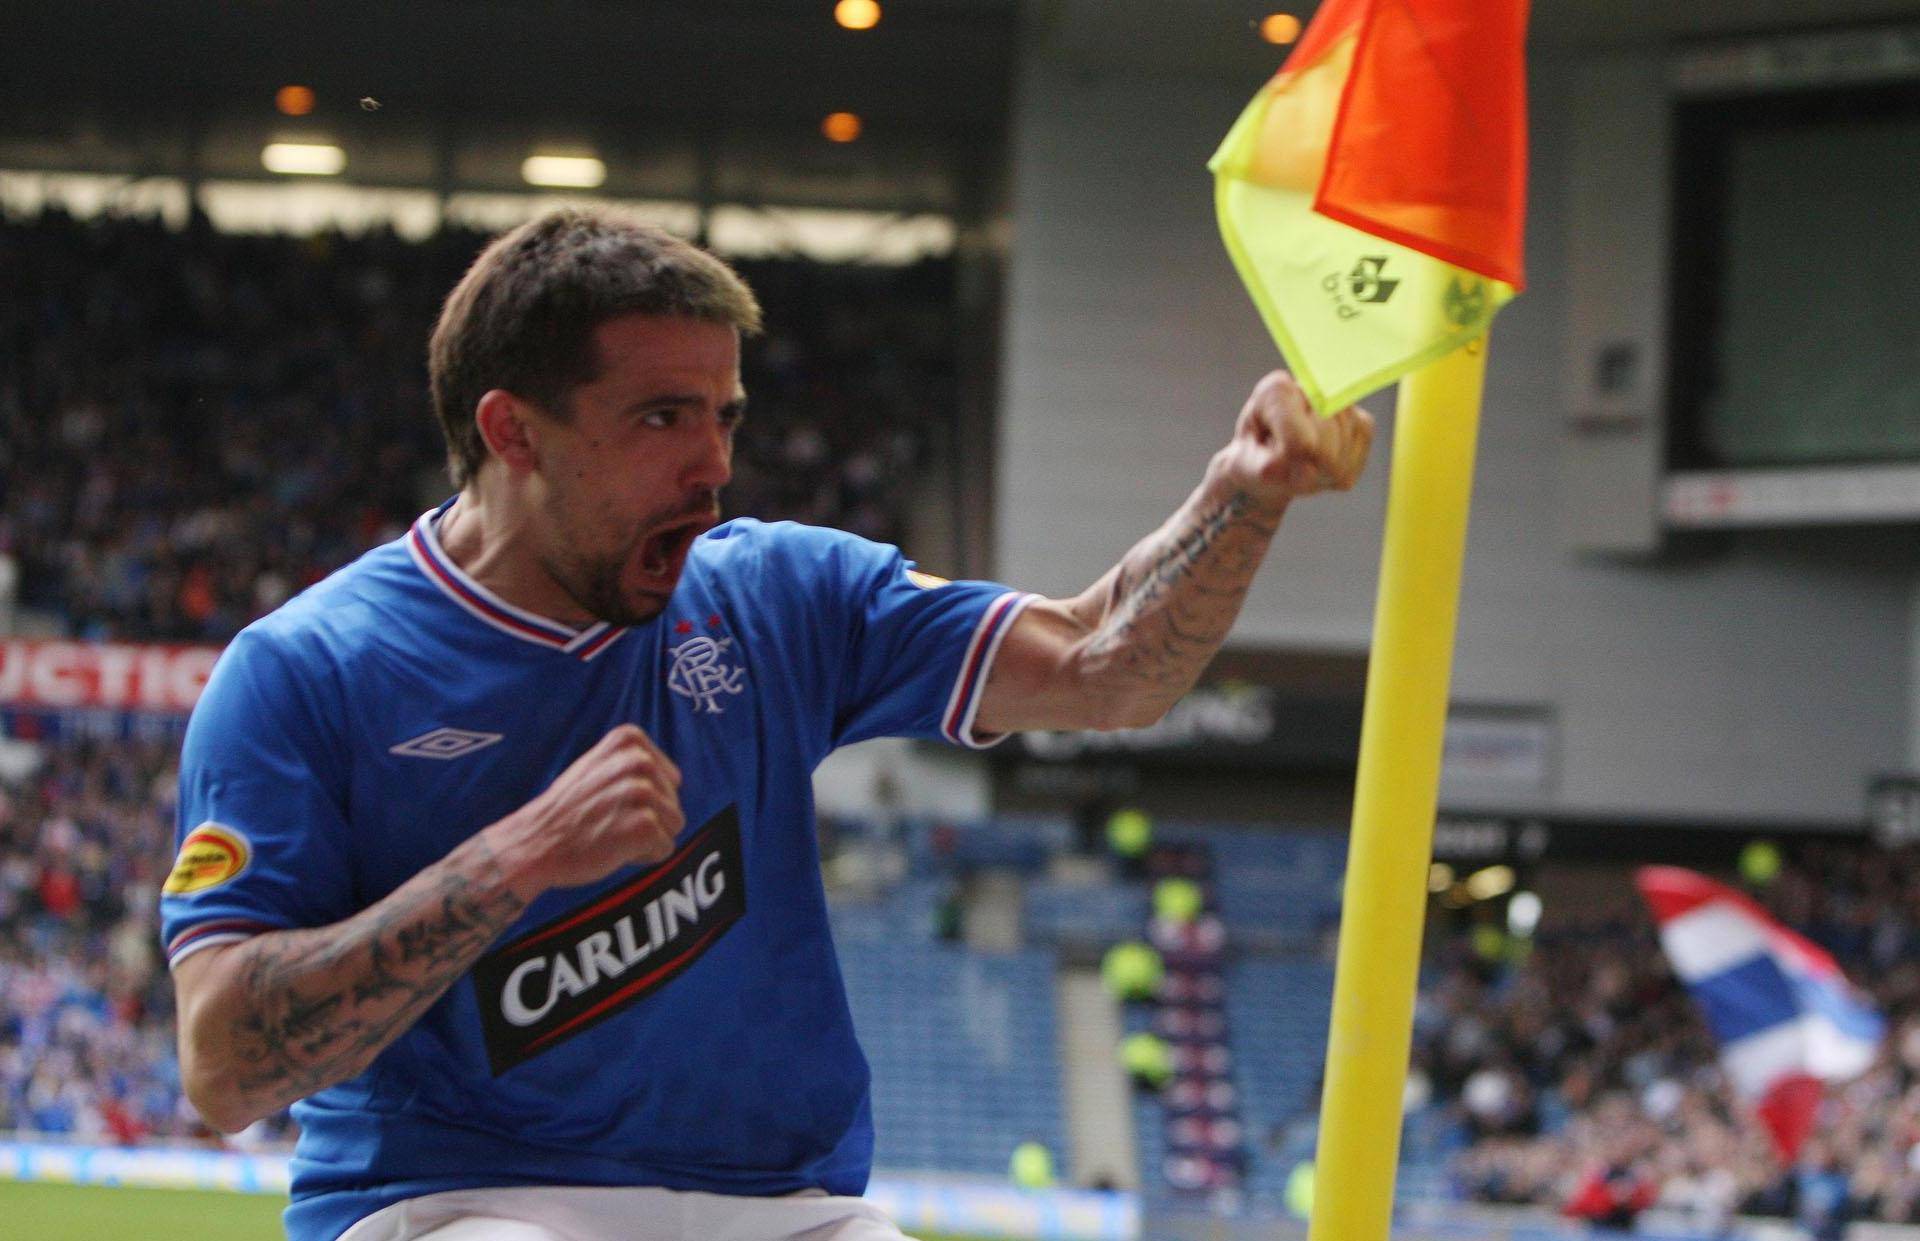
[{"x": 497, "y": 857}]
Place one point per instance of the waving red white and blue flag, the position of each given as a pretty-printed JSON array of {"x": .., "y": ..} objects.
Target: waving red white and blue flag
[{"x": 1785, "y": 1016}]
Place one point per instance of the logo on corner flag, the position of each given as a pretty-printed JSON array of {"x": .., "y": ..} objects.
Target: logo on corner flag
[
  {"x": 1466, "y": 301},
  {"x": 210, "y": 855},
  {"x": 1367, "y": 282}
]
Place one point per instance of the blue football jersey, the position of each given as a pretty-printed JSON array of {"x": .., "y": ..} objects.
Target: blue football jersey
[{"x": 681, "y": 1026}]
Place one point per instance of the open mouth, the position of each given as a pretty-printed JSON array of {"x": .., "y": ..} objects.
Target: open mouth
[{"x": 664, "y": 553}]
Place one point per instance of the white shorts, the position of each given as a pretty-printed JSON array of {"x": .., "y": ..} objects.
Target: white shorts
[{"x": 573, "y": 1213}]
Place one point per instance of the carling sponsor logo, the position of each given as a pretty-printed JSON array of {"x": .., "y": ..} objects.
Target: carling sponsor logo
[{"x": 589, "y": 964}]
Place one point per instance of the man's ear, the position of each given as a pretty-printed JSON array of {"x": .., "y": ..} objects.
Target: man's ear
[{"x": 503, "y": 421}]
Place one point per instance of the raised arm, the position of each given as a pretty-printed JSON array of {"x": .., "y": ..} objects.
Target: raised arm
[
  {"x": 276, "y": 1017},
  {"x": 1125, "y": 649}
]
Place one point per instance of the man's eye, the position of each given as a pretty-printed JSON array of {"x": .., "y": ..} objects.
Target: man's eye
[{"x": 661, "y": 418}]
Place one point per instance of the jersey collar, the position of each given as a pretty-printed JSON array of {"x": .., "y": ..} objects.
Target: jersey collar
[{"x": 423, "y": 543}]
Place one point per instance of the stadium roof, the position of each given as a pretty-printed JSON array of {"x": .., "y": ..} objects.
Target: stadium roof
[
  {"x": 710, "y": 100},
  {"x": 465, "y": 88}
]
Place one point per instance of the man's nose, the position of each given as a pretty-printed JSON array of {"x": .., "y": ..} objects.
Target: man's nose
[{"x": 712, "y": 463}]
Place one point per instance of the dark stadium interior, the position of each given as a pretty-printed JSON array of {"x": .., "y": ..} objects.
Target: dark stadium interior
[{"x": 702, "y": 98}]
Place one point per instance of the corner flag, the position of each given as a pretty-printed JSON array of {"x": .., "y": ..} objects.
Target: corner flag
[{"x": 1372, "y": 195}]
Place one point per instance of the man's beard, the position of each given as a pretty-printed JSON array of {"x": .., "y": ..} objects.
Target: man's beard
[
  {"x": 593, "y": 582},
  {"x": 595, "y": 585}
]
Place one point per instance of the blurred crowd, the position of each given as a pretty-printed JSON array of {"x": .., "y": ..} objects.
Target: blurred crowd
[
  {"x": 1581, "y": 1075},
  {"x": 86, "y": 1012},
  {"x": 194, "y": 425}
]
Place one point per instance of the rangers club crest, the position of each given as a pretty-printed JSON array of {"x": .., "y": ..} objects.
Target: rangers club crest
[{"x": 704, "y": 667}]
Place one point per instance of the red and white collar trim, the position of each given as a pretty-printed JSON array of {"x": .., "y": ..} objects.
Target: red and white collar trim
[{"x": 423, "y": 543}]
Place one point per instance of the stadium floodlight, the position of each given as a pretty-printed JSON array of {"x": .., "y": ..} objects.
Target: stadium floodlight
[
  {"x": 569, "y": 172},
  {"x": 294, "y": 100},
  {"x": 841, "y": 126},
  {"x": 857, "y": 14},
  {"x": 303, "y": 159},
  {"x": 1279, "y": 29}
]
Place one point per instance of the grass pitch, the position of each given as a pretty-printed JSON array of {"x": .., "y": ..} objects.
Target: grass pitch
[
  {"x": 112, "y": 1213},
  {"x": 46, "y": 1212}
]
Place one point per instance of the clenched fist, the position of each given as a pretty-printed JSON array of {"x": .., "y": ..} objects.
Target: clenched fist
[
  {"x": 1281, "y": 450},
  {"x": 617, "y": 805}
]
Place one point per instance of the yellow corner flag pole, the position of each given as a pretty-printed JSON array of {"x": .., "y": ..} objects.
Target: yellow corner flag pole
[
  {"x": 1396, "y": 795},
  {"x": 1393, "y": 140}
]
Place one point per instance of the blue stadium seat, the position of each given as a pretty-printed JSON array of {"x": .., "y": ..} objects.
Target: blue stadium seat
[
  {"x": 964, "y": 1053},
  {"x": 1098, "y": 913},
  {"x": 1277, "y": 1013},
  {"x": 1279, "y": 883}
]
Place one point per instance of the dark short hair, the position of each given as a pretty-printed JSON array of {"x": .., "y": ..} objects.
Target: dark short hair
[{"x": 524, "y": 315}]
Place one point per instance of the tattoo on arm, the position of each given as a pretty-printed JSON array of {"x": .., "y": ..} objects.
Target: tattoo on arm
[
  {"x": 1175, "y": 596},
  {"x": 317, "y": 1005}
]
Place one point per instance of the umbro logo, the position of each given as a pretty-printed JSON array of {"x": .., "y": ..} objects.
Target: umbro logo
[{"x": 445, "y": 743}]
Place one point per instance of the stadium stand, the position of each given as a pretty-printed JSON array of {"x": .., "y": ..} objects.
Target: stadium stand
[
  {"x": 86, "y": 1014},
  {"x": 1189, "y": 1130},
  {"x": 1277, "y": 891},
  {"x": 1019, "y": 845},
  {"x": 1277, "y": 1012},
  {"x": 1586, "y": 1055},
  {"x": 194, "y": 425},
  {"x": 1100, "y": 913},
  {"x": 908, "y": 913},
  {"x": 963, "y": 1048}
]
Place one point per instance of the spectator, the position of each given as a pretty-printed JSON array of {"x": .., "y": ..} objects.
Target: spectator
[
  {"x": 9, "y": 584},
  {"x": 1611, "y": 1196},
  {"x": 1823, "y": 1193}
]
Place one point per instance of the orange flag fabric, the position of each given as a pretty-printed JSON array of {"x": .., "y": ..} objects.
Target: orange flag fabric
[{"x": 1388, "y": 156}]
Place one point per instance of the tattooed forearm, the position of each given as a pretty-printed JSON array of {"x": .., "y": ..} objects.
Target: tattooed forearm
[
  {"x": 309, "y": 1008},
  {"x": 1121, "y": 652},
  {"x": 1174, "y": 597}
]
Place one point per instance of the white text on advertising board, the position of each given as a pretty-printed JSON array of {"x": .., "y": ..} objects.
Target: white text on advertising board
[{"x": 123, "y": 676}]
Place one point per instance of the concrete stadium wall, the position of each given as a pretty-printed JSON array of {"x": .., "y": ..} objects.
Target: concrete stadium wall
[{"x": 1759, "y": 677}]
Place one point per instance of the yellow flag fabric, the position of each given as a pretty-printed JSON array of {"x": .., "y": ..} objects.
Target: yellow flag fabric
[{"x": 1351, "y": 310}]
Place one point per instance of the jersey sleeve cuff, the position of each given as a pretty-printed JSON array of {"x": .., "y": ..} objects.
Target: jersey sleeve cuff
[
  {"x": 956, "y": 723},
  {"x": 213, "y": 931}
]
